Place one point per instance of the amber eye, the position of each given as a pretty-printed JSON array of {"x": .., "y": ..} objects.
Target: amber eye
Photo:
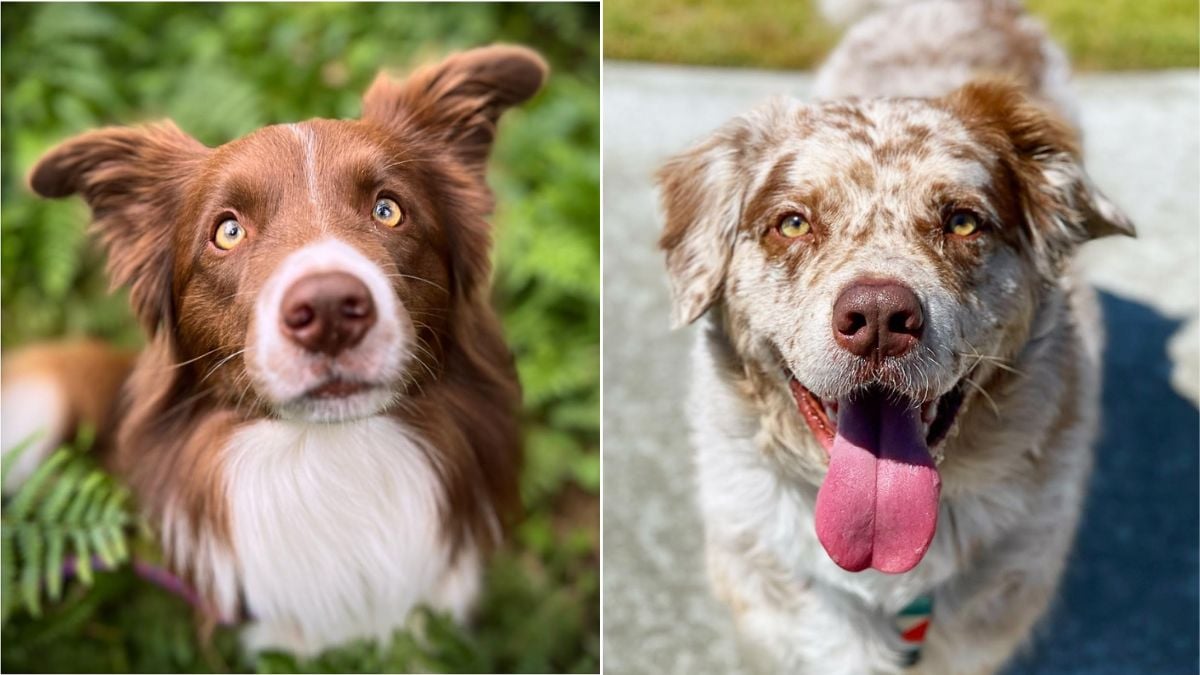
[
  {"x": 230, "y": 233},
  {"x": 963, "y": 224},
  {"x": 794, "y": 225},
  {"x": 388, "y": 212}
]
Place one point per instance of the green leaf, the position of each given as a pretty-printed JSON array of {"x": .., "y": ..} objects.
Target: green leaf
[
  {"x": 81, "y": 500},
  {"x": 83, "y": 557},
  {"x": 30, "y": 549},
  {"x": 8, "y": 593},
  {"x": 28, "y": 493},
  {"x": 69, "y": 507},
  {"x": 55, "y": 543},
  {"x": 116, "y": 539},
  {"x": 60, "y": 492},
  {"x": 103, "y": 547}
]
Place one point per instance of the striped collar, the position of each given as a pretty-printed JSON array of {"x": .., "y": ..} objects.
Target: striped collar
[{"x": 913, "y": 623}]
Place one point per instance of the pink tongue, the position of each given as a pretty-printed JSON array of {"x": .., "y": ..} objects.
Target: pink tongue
[{"x": 878, "y": 505}]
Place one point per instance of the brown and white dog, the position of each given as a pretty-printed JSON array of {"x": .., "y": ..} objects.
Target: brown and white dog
[
  {"x": 895, "y": 391},
  {"x": 323, "y": 424}
]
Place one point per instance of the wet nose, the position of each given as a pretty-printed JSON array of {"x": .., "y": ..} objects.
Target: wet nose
[
  {"x": 877, "y": 318},
  {"x": 327, "y": 313}
]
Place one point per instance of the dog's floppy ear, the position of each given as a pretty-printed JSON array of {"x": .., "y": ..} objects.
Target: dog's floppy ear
[
  {"x": 133, "y": 178},
  {"x": 701, "y": 192},
  {"x": 1061, "y": 204},
  {"x": 460, "y": 99}
]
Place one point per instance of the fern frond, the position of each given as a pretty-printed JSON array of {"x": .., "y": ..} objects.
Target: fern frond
[
  {"x": 8, "y": 567},
  {"x": 83, "y": 557},
  {"x": 27, "y": 497},
  {"x": 56, "y": 541},
  {"x": 59, "y": 494},
  {"x": 68, "y": 510},
  {"x": 29, "y": 548}
]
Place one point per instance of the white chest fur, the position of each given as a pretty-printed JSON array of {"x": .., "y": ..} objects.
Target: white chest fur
[{"x": 336, "y": 532}]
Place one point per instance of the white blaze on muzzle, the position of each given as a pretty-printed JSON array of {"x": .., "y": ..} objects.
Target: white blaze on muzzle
[{"x": 287, "y": 371}]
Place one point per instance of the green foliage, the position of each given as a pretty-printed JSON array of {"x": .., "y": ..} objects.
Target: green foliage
[
  {"x": 1124, "y": 34},
  {"x": 1097, "y": 34},
  {"x": 68, "y": 509},
  {"x": 433, "y": 643},
  {"x": 221, "y": 71},
  {"x": 528, "y": 623}
]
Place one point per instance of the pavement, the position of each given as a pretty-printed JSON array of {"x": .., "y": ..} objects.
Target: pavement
[{"x": 1129, "y": 601}]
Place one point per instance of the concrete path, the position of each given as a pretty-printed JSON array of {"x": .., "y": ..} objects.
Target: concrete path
[{"x": 1129, "y": 602}]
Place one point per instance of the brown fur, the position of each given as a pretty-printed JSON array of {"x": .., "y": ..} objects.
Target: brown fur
[
  {"x": 156, "y": 197},
  {"x": 92, "y": 373}
]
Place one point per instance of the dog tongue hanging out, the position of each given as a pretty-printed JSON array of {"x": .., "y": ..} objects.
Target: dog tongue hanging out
[
  {"x": 878, "y": 504},
  {"x": 895, "y": 389}
]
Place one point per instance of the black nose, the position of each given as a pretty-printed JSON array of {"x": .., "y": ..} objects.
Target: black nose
[
  {"x": 327, "y": 313},
  {"x": 877, "y": 318}
]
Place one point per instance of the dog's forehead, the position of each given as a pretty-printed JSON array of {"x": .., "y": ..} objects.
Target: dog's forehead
[
  {"x": 281, "y": 147},
  {"x": 879, "y": 147},
  {"x": 315, "y": 165}
]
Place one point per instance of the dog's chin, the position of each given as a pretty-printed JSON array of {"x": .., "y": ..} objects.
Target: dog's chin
[
  {"x": 938, "y": 415},
  {"x": 337, "y": 400}
]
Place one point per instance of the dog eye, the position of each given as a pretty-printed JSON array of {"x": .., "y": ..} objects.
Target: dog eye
[
  {"x": 388, "y": 212},
  {"x": 230, "y": 233},
  {"x": 794, "y": 225},
  {"x": 963, "y": 224}
]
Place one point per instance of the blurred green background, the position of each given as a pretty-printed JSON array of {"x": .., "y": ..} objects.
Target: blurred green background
[
  {"x": 1097, "y": 34},
  {"x": 221, "y": 71}
]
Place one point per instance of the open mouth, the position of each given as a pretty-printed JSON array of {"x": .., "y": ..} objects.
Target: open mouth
[
  {"x": 821, "y": 415},
  {"x": 878, "y": 504}
]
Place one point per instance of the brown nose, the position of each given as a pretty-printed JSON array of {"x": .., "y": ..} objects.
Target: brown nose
[
  {"x": 877, "y": 318},
  {"x": 327, "y": 312}
]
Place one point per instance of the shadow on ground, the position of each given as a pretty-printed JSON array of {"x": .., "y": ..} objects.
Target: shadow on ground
[{"x": 1129, "y": 600}]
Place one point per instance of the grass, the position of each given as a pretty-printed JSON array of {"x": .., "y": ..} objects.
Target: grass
[{"x": 1098, "y": 34}]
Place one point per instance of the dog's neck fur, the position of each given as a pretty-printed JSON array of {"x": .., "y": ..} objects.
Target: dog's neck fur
[{"x": 190, "y": 461}]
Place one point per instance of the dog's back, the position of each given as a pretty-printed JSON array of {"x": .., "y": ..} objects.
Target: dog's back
[
  {"x": 928, "y": 48},
  {"x": 50, "y": 391}
]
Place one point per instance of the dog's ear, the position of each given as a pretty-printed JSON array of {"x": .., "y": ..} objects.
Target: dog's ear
[
  {"x": 701, "y": 192},
  {"x": 1061, "y": 204},
  {"x": 460, "y": 99},
  {"x": 134, "y": 179}
]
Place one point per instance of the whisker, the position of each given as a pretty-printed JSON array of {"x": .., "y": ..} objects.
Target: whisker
[
  {"x": 416, "y": 278},
  {"x": 246, "y": 388},
  {"x": 406, "y": 161},
  {"x": 424, "y": 365},
  {"x": 981, "y": 390},
  {"x": 1002, "y": 365},
  {"x": 437, "y": 338},
  {"x": 192, "y": 360},
  {"x": 221, "y": 363},
  {"x": 997, "y": 361},
  {"x": 238, "y": 294}
]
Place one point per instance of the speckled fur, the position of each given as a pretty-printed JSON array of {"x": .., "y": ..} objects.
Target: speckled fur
[{"x": 1003, "y": 313}]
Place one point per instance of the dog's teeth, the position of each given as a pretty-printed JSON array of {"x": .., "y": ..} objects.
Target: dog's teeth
[
  {"x": 830, "y": 411},
  {"x": 928, "y": 412}
]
